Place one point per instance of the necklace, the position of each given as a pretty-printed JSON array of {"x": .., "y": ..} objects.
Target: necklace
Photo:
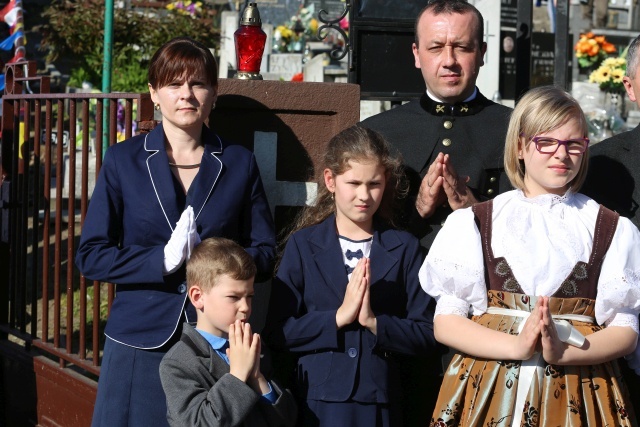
[{"x": 194, "y": 166}]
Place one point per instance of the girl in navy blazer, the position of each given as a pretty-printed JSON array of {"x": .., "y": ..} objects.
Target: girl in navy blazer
[
  {"x": 346, "y": 298},
  {"x": 157, "y": 195}
]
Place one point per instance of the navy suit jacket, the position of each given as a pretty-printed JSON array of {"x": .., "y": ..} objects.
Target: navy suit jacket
[
  {"x": 614, "y": 174},
  {"x": 131, "y": 216},
  {"x": 614, "y": 180},
  {"x": 350, "y": 363}
]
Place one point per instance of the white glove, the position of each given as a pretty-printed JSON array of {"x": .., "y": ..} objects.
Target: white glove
[
  {"x": 633, "y": 359},
  {"x": 193, "y": 236},
  {"x": 183, "y": 239}
]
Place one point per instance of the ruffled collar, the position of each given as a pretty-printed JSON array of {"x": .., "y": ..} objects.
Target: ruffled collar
[{"x": 547, "y": 200}]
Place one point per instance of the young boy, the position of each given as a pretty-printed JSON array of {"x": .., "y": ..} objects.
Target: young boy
[{"x": 212, "y": 376}]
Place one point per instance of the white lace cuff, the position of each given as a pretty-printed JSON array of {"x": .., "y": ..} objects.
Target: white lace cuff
[
  {"x": 624, "y": 318},
  {"x": 448, "y": 304}
]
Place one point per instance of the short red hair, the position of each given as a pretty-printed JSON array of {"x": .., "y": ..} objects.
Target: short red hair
[{"x": 179, "y": 58}]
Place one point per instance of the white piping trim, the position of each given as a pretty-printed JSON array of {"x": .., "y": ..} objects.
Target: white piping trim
[
  {"x": 153, "y": 183},
  {"x": 167, "y": 340},
  {"x": 220, "y": 143}
]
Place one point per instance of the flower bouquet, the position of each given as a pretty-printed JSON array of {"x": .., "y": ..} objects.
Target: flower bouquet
[
  {"x": 609, "y": 75},
  {"x": 186, "y": 7},
  {"x": 591, "y": 50},
  {"x": 291, "y": 37}
]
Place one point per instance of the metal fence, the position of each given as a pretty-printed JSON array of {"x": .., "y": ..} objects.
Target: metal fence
[{"x": 52, "y": 148}]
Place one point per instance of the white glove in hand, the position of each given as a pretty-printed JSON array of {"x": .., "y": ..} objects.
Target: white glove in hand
[
  {"x": 183, "y": 239},
  {"x": 193, "y": 236},
  {"x": 633, "y": 359}
]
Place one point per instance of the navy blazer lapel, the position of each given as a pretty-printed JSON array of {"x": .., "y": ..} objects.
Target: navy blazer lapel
[
  {"x": 210, "y": 169},
  {"x": 327, "y": 255},
  {"x": 160, "y": 175},
  {"x": 382, "y": 257}
]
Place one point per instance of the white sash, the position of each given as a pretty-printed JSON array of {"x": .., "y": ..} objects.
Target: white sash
[{"x": 533, "y": 366}]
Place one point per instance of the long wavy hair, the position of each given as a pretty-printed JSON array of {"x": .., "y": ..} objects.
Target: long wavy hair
[{"x": 359, "y": 144}]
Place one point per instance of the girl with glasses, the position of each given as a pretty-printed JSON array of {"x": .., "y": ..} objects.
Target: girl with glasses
[{"x": 539, "y": 289}]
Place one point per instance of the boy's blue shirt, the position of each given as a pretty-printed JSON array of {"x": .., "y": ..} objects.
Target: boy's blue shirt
[{"x": 220, "y": 346}]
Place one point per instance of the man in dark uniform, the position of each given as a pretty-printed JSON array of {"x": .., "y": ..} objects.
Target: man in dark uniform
[
  {"x": 452, "y": 139},
  {"x": 452, "y": 144},
  {"x": 614, "y": 181}
]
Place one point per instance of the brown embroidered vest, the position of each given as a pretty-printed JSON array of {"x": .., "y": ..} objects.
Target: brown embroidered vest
[{"x": 583, "y": 279}]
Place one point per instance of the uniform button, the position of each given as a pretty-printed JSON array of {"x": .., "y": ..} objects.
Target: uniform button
[
  {"x": 490, "y": 191},
  {"x": 182, "y": 288},
  {"x": 492, "y": 179},
  {"x": 352, "y": 352},
  {"x": 446, "y": 142},
  {"x": 447, "y": 124},
  {"x": 442, "y": 224}
]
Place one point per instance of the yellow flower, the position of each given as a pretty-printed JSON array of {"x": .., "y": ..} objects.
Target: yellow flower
[
  {"x": 600, "y": 75},
  {"x": 285, "y": 32},
  {"x": 616, "y": 75},
  {"x": 313, "y": 25}
]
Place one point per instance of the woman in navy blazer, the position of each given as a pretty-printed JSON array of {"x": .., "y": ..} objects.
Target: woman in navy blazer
[
  {"x": 346, "y": 298},
  {"x": 156, "y": 196}
]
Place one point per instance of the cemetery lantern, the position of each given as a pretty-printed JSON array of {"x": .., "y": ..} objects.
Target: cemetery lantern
[{"x": 250, "y": 40}]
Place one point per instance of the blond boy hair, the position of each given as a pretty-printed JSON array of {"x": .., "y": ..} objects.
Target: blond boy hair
[{"x": 217, "y": 256}]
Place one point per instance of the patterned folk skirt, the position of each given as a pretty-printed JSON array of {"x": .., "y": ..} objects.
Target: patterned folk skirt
[{"x": 480, "y": 392}]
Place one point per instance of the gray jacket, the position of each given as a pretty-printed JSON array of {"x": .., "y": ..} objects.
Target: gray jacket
[{"x": 200, "y": 390}]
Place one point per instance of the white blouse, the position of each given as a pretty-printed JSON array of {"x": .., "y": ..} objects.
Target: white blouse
[
  {"x": 541, "y": 238},
  {"x": 353, "y": 251}
]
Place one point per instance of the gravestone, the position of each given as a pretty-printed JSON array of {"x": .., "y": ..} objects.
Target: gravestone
[
  {"x": 542, "y": 54},
  {"x": 313, "y": 70},
  {"x": 264, "y": 65},
  {"x": 508, "y": 64},
  {"x": 229, "y": 25},
  {"x": 508, "y": 14},
  {"x": 278, "y": 12},
  {"x": 370, "y": 108},
  {"x": 285, "y": 65},
  {"x": 381, "y": 34},
  {"x": 334, "y": 8},
  {"x": 287, "y": 125},
  {"x": 488, "y": 80},
  {"x": 91, "y": 167}
]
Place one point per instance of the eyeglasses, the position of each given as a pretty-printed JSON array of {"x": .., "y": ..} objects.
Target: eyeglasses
[{"x": 548, "y": 145}]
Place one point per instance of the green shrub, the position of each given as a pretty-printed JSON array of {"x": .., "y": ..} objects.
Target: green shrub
[{"x": 75, "y": 30}]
